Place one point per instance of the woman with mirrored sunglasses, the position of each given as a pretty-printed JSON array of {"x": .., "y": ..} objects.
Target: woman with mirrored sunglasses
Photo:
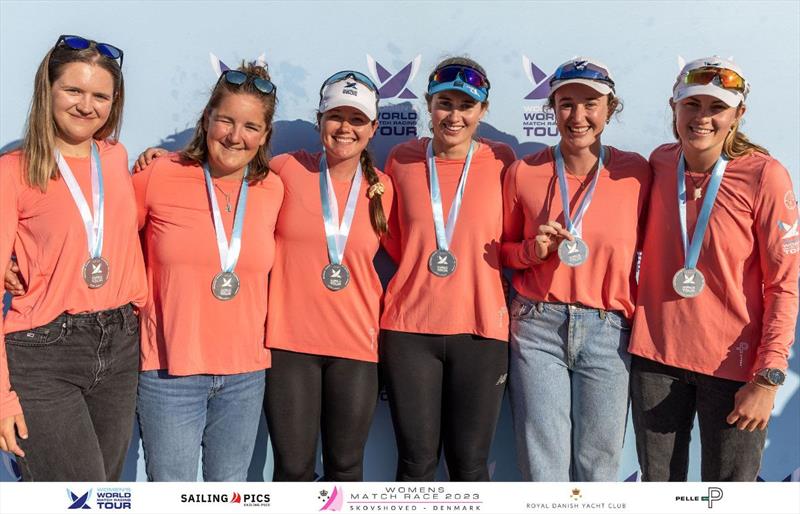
[
  {"x": 325, "y": 294},
  {"x": 207, "y": 216},
  {"x": 444, "y": 353},
  {"x": 70, "y": 341},
  {"x": 717, "y": 308},
  {"x": 572, "y": 231}
]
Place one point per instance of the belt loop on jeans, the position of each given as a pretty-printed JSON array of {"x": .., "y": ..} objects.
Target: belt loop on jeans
[{"x": 602, "y": 313}]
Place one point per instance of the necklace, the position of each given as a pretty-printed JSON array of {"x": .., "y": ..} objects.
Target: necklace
[
  {"x": 227, "y": 198},
  {"x": 698, "y": 187}
]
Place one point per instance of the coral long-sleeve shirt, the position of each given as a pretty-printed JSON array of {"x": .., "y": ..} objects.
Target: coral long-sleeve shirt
[
  {"x": 46, "y": 233},
  {"x": 185, "y": 329},
  {"x": 744, "y": 318},
  {"x": 305, "y": 316},
  {"x": 612, "y": 227},
  {"x": 471, "y": 300}
]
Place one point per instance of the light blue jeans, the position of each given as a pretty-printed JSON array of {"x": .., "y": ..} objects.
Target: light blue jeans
[
  {"x": 179, "y": 415},
  {"x": 568, "y": 383}
]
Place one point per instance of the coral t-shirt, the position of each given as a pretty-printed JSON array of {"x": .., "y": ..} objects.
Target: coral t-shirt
[
  {"x": 185, "y": 329},
  {"x": 305, "y": 316},
  {"x": 612, "y": 227},
  {"x": 46, "y": 233},
  {"x": 744, "y": 318},
  {"x": 471, "y": 300}
]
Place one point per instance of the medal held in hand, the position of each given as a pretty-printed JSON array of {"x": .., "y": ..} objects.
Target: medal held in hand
[
  {"x": 335, "y": 275},
  {"x": 689, "y": 282},
  {"x": 95, "y": 271},
  {"x": 442, "y": 262},
  {"x": 576, "y": 252},
  {"x": 225, "y": 284}
]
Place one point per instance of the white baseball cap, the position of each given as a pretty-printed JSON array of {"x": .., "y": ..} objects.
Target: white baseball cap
[
  {"x": 583, "y": 70},
  {"x": 351, "y": 93},
  {"x": 733, "y": 97}
]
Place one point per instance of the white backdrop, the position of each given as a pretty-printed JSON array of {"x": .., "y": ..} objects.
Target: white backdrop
[{"x": 168, "y": 77}]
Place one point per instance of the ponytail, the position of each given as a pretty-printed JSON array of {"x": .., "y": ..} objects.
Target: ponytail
[{"x": 376, "y": 215}]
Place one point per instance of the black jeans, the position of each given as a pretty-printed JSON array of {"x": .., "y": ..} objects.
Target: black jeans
[
  {"x": 308, "y": 393},
  {"x": 664, "y": 401},
  {"x": 445, "y": 391},
  {"x": 76, "y": 380}
]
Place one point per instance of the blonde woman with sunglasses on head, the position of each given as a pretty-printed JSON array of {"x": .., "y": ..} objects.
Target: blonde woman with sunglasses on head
[
  {"x": 70, "y": 343},
  {"x": 718, "y": 290}
]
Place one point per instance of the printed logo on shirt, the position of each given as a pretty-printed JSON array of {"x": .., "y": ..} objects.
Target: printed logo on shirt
[
  {"x": 789, "y": 200},
  {"x": 394, "y": 85},
  {"x": 790, "y": 237},
  {"x": 741, "y": 348},
  {"x": 537, "y": 121}
]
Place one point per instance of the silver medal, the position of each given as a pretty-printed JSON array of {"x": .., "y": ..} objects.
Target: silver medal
[
  {"x": 573, "y": 253},
  {"x": 335, "y": 276},
  {"x": 95, "y": 272},
  {"x": 225, "y": 285},
  {"x": 442, "y": 263},
  {"x": 688, "y": 282}
]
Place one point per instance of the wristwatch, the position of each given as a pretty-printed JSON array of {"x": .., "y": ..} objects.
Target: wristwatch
[{"x": 772, "y": 376}]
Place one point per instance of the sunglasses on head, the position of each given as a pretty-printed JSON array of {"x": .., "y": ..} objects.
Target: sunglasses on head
[
  {"x": 81, "y": 43},
  {"x": 581, "y": 70},
  {"x": 726, "y": 78},
  {"x": 452, "y": 72},
  {"x": 355, "y": 75},
  {"x": 238, "y": 78}
]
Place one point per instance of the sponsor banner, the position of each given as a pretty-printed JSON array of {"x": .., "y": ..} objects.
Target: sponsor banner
[
  {"x": 538, "y": 122},
  {"x": 434, "y": 497}
]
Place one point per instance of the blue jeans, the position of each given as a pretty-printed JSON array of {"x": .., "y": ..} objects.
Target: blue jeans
[
  {"x": 568, "y": 382},
  {"x": 179, "y": 415},
  {"x": 76, "y": 380}
]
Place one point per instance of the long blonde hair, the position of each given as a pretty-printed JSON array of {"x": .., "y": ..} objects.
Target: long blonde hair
[{"x": 38, "y": 159}]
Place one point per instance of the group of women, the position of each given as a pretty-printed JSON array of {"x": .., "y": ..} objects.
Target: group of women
[{"x": 250, "y": 262}]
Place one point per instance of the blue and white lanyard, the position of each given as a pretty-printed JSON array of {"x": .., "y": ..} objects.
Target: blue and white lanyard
[
  {"x": 92, "y": 224},
  {"x": 575, "y": 225},
  {"x": 336, "y": 233},
  {"x": 691, "y": 249},
  {"x": 444, "y": 234},
  {"x": 228, "y": 255}
]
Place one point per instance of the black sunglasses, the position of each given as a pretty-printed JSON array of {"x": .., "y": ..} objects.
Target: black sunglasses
[
  {"x": 237, "y": 78},
  {"x": 81, "y": 43}
]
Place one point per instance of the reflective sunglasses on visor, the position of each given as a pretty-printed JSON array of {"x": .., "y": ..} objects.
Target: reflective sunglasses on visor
[
  {"x": 237, "y": 78},
  {"x": 581, "y": 70},
  {"x": 728, "y": 79},
  {"x": 81, "y": 43},
  {"x": 469, "y": 75},
  {"x": 355, "y": 75}
]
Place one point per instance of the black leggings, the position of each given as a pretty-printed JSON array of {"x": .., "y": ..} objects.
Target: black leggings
[
  {"x": 444, "y": 391},
  {"x": 306, "y": 393}
]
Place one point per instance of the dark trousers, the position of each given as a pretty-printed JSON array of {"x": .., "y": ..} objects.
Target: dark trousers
[
  {"x": 76, "y": 380},
  {"x": 445, "y": 391},
  {"x": 664, "y": 401},
  {"x": 308, "y": 394}
]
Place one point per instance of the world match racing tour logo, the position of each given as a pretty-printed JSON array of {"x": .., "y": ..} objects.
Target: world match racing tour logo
[
  {"x": 105, "y": 498},
  {"x": 398, "y": 120},
  {"x": 537, "y": 121}
]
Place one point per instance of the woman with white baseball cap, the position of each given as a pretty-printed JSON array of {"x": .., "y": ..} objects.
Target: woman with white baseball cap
[
  {"x": 325, "y": 295},
  {"x": 572, "y": 231},
  {"x": 718, "y": 286},
  {"x": 445, "y": 354}
]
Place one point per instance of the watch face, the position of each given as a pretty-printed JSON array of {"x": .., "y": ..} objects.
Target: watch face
[{"x": 776, "y": 376}]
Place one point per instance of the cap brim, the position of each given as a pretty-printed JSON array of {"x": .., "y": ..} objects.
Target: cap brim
[
  {"x": 479, "y": 94},
  {"x": 731, "y": 98},
  {"x": 600, "y": 87}
]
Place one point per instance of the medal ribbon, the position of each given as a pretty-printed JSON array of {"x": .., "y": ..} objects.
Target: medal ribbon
[
  {"x": 336, "y": 233},
  {"x": 444, "y": 234},
  {"x": 228, "y": 255},
  {"x": 575, "y": 225},
  {"x": 691, "y": 249},
  {"x": 93, "y": 225}
]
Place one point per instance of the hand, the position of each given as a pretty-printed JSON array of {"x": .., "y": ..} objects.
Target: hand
[
  {"x": 12, "y": 280},
  {"x": 9, "y": 428},
  {"x": 146, "y": 157},
  {"x": 752, "y": 407},
  {"x": 549, "y": 236}
]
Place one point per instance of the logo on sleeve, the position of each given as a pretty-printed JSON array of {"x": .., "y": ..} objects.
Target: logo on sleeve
[
  {"x": 790, "y": 238},
  {"x": 790, "y": 200}
]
